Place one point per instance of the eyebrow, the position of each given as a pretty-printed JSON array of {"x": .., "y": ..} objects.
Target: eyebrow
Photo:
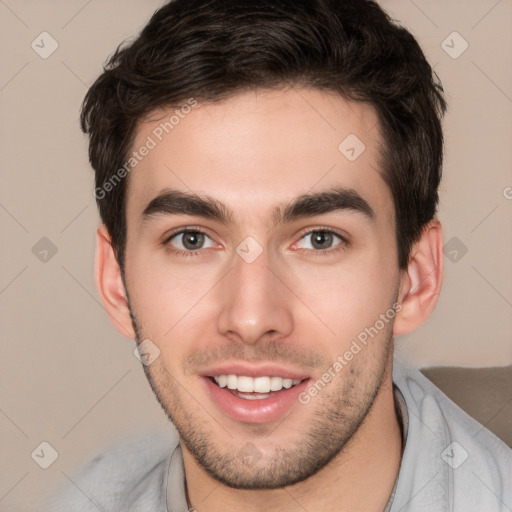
[{"x": 177, "y": 202}]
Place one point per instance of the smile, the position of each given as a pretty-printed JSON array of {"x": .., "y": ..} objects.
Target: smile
[
  {"x": 256, "y": 400},
  {"x": 260, "y": 385}
]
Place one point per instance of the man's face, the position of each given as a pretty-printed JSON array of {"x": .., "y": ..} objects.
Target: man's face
[{"x": 264, "y": 292}]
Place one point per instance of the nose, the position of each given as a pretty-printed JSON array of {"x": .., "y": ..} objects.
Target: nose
[{"x": 254, "y": 304}]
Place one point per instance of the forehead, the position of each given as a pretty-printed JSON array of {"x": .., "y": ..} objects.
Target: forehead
[{"x": 259, "y": 148}]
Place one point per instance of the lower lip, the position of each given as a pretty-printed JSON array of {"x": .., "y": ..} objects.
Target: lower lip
[{"x": 254, "y": 411}]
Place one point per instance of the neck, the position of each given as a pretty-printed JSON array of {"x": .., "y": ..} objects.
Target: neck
[{"x": 360, "y": 478}]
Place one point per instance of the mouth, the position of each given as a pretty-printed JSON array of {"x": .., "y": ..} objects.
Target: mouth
[
  {"x": 257, "y": 398},
  {"x": 254, "y": 388}
]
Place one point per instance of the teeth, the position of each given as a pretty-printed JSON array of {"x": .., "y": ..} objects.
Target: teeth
[
  {"x": 231, "y": 381},
  {"x": 246, "y": 384},
  {"x": 261, "y": 384},
  {"x": 287, "y": 383}
]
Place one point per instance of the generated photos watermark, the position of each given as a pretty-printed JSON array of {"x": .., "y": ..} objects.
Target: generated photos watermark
[
  {"x": 358, "y": 343},
  {"x": 151, "y": 142}
]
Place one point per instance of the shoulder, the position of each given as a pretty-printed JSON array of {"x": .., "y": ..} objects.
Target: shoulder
[
  {"x": 131, "y": 473},
  {"x": 467, "y": 464}
]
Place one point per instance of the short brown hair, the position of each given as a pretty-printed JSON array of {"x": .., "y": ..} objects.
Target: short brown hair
[{"x": 213, "y": 49}]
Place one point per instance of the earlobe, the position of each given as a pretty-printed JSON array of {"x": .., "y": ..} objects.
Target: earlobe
[
  {"x": 421, "y": 281},
  {"x": 110, "y": 284}
]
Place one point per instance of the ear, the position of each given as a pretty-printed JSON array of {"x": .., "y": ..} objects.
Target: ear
[
  {"x": 110, "y": 284},
  {"x": 421, "y": 281}
]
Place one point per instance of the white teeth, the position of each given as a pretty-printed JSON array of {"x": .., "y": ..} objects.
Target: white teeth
[
  {"x": 246, "y": 384},
  {"x": 231, "y": 381},
  {"x": 287, "y": 383},
  {"x": 276, "y": 383},
  {"x": 261, "y": 385}
]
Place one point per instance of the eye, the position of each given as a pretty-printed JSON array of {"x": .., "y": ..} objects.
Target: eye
[
  {"x": 320, "y": 240},
  {"x": 190, "y": 240}
]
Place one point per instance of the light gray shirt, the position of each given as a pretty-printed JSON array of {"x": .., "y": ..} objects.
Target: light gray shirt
[{"x": 450, "y": 463}]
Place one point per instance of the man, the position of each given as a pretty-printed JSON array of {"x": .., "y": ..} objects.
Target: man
[{"x": 267, "y": 175}]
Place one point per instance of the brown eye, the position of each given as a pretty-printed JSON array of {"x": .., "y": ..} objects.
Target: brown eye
[
  {"x": 190, "y": 240},
  {"x": 320, "y": 240},
  {"x": 193, "y": 240}
]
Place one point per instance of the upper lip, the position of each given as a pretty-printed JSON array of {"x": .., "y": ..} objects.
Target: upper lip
[{"x": 252, "y": 370}]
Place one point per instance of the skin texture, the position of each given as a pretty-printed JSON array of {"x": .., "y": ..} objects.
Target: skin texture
[{"x": 293, "y": 305}]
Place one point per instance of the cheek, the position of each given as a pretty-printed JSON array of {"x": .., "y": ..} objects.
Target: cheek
[
  {"x": 165, "y": 300},
  {"x": 349, "y": 297}
]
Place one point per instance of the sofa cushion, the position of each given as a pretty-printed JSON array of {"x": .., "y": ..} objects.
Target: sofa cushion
[{"x": 484, "y": 393}]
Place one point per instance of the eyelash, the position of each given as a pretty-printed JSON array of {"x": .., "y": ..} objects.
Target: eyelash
[
  {"x": 321, "y": 252},
  {"x": 179, "y": 252},
  {"x": 326, "y": 252}
]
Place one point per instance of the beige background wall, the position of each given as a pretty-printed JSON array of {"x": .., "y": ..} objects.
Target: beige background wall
[{"x": 67, "y": 377}]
